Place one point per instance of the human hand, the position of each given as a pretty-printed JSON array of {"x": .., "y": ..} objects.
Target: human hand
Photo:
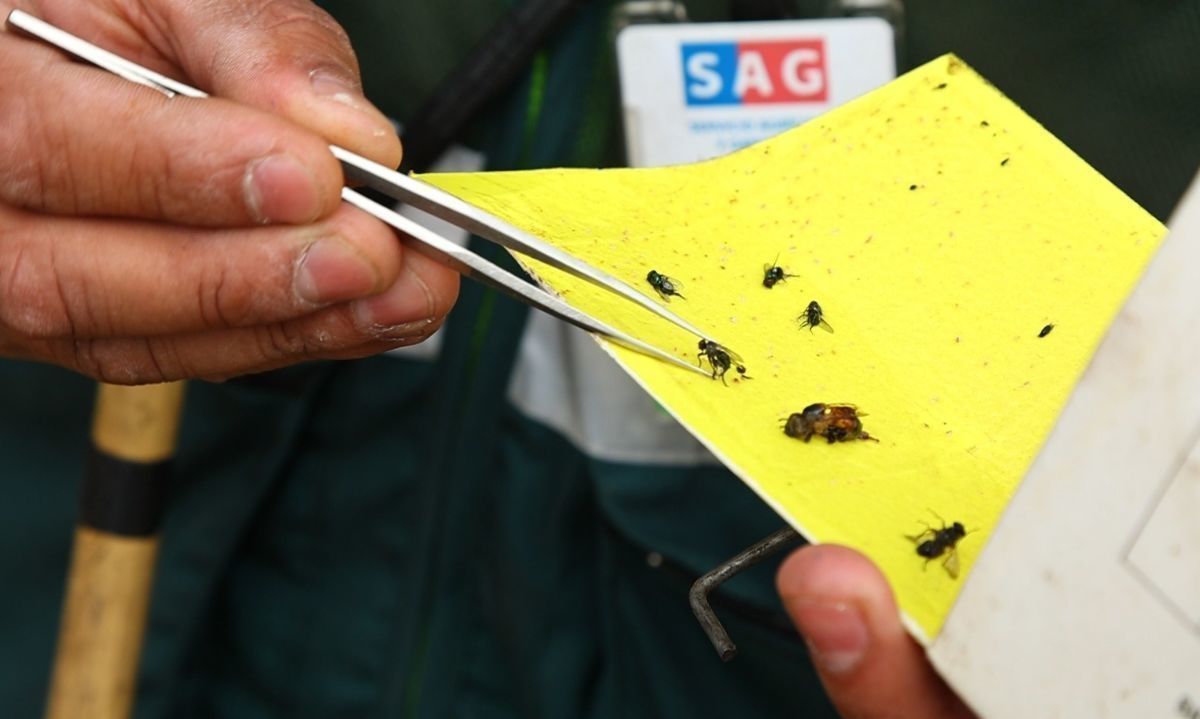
[
  {"x": 145, "y": 239},
  {"x": 870, "y": 666}
]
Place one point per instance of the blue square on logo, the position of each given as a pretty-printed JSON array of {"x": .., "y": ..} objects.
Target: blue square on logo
[{"x": 708, "y": 72}]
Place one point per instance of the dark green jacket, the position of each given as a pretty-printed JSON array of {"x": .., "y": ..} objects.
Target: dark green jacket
[{"x": 393, "y": 537}]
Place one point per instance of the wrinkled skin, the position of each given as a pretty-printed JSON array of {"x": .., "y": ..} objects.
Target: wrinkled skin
[{"x": 145, "y": 239}]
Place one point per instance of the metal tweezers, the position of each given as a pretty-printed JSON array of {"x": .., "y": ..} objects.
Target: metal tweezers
[{"x": 422, "y": 196}]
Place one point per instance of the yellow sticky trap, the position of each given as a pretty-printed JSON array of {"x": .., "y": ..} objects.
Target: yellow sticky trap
[{"x": 940, "y": 229}]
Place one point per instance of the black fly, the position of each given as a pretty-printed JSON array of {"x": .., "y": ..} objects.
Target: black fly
[
  {"x": 774, "y": 274},
  {"x": 720, "y": 358},
  {"x": 664, "y": 286},
  {"x": 933, "y": 543},
  {"x": 1045, "y": 330},
  {"x": 814, "y": 316}
]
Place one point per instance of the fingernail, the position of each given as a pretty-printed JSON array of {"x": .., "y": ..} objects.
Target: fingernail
[
  {"x": 277, "y": 188},
  {"x": 836, "y": 633},
  {"x": 337, "y": 87},
  {"x": 332, "y": 271},
  {"x": 402, "y": 310}
]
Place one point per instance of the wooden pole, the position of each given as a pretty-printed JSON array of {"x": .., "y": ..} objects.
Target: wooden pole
[{"x": 112, "y": 564}]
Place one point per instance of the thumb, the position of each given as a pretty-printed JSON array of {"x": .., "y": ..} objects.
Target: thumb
[{"x": 844, "y": 608}]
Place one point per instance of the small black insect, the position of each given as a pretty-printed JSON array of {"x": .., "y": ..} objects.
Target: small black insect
[
  {"x": 814, "y": 316},
  {"x": 1004, "y": 162},
  {"x": 1045, "y": 330},
  {"x": 720, "y": 358},
  {"x": 664, "y": 286},
  {"x": 774, "y": 274},
  {"x": 933, "y": 543}
]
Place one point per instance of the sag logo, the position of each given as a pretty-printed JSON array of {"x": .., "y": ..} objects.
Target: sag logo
[{"x": 729, "y": 73}]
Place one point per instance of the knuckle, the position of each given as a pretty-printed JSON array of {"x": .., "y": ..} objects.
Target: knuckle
[
  {"x": 225, "y": 301},
  {"x": 305, "y": 19},
  {"x": 160, "y": 361},
  {"x": 34, "y": 301},
  {"x": 144, "y": 176},
  {"x": 25, "y": 180},
  {"x": 88, "y": 358},
  {"x": 207, "y": 188},
  {"x": 55, "y": 156},
  {"x": 283, "y": 341},
  {"x": 49, "y": 166},
  {"x": 80, "y": 356},
  {"x": 123, "y": 362},
  {"x": 151, "y": 174},
  {"x": 303, "y": 25}
]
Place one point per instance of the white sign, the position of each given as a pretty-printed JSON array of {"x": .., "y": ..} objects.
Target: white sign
[{"x": 691, "y": 92}]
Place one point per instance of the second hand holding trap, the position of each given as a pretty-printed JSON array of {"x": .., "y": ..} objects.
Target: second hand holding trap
[{"x": 429, "y": 199}]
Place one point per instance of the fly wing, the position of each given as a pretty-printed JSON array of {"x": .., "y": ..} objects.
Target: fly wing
[{"x": 951, "y": 564}]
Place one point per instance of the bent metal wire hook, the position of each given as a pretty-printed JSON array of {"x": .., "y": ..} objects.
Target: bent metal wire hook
[{"x": 698, "y": 596}]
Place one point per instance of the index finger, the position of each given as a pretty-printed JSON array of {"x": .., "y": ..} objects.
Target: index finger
[{"x": 287, "y": 57}]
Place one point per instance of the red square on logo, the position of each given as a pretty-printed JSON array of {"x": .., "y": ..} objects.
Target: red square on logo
[{"x": 781, "y": 71}]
